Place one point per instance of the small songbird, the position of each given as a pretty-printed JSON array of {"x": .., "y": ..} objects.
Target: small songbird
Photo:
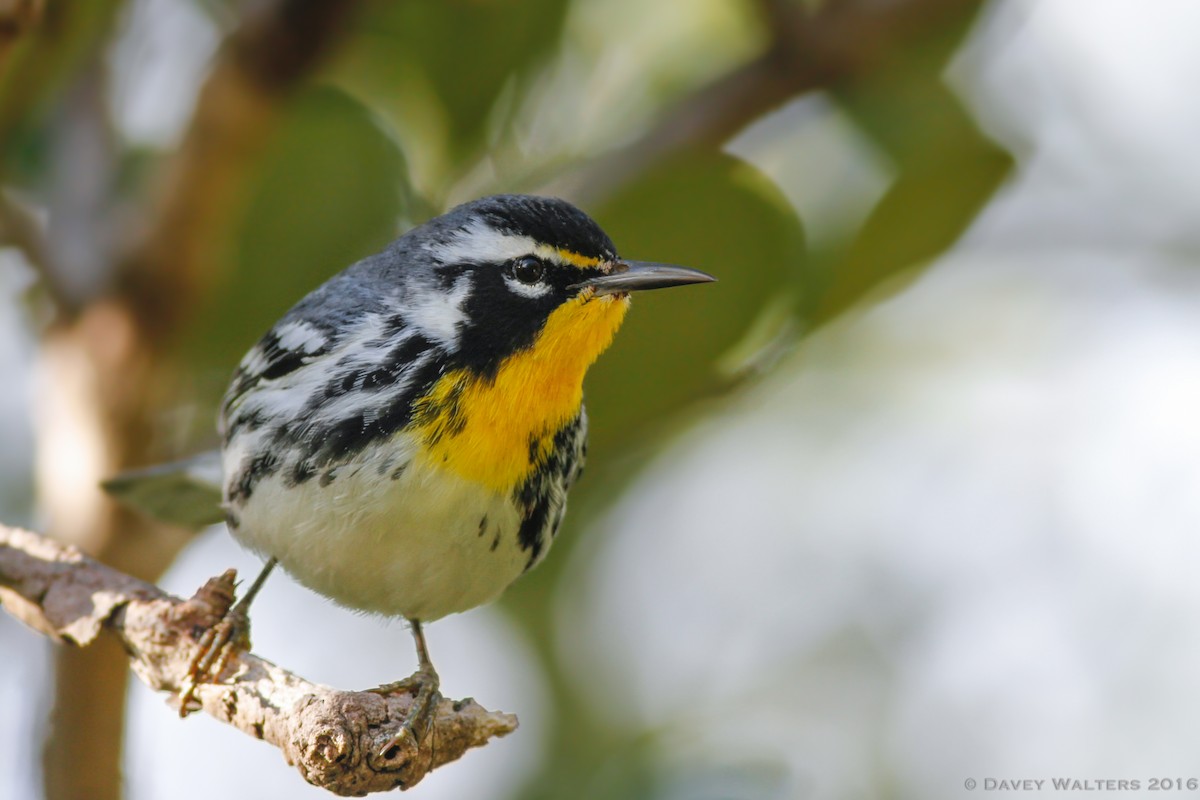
[{"x": 403, "y": 439}]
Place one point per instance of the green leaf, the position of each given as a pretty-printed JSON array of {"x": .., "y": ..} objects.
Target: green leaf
[
  {"x": 947, "y": 170},
  {"x": 712, "y": 212},
  {"x": 186, "y": 493},
  {"x": 464, "y": 51}
]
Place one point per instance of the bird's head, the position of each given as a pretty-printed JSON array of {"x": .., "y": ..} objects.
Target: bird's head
[
  {"x": 524, "y": 293},
  {"x": 519, "y": 275}
]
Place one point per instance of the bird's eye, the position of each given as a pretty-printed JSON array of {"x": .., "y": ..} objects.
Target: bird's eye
[{"x": 528, "y": 270}]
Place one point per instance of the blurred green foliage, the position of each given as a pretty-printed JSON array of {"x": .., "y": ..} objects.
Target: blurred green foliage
[
  {"x": 335, "y": 184},
  {"x": 713, "y": 212},
  {"x": 332, "y": 189},
  {"x": 465, "y": 53}
]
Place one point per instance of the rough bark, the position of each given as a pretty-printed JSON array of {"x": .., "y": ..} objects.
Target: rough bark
[{"x": 333, "y": 737}]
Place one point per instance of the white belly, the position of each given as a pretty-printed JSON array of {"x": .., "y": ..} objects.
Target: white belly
[{"x": 423, "y": 545}]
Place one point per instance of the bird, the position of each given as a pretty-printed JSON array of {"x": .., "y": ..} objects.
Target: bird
[{"x": 403, "y": 439}]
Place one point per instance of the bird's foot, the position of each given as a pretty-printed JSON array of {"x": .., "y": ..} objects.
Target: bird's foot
[
  {"x": 227, "y": 638},
  {"x": 423, "y": 686}
]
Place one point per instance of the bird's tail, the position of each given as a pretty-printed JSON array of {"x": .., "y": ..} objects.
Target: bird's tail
[{"x": 186, "y": 492}]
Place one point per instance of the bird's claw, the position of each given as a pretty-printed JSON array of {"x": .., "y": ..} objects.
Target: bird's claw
[
  {"x": 423, "y": 686},
  {"x": 227, "y": 638}
]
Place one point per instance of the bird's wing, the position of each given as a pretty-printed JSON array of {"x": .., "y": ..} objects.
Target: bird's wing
[
  {"x": 287, "y": 347},
  {"x": 185, "y": 493}
]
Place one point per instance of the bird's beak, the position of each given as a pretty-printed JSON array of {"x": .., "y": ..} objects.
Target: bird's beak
[{"x": 634, "y": 276}]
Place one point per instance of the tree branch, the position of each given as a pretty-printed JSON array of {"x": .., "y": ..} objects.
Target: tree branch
[
  {"x": 333, "y": 737},
  {"x": 835, "y": 46}
]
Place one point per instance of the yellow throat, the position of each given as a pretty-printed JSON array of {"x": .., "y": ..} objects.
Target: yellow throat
[{"x": 496, "y": 432}]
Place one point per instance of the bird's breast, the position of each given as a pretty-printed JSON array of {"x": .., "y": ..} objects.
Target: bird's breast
[{"x": 498, "y": 430}]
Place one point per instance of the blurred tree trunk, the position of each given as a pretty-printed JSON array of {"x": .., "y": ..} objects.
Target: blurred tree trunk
[
  {"x": 108, "y": 370},
  {"x": 101, "y": 387}
]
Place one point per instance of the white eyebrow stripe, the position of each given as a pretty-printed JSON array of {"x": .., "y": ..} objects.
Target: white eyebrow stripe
[{"x": 481, "y": 243}]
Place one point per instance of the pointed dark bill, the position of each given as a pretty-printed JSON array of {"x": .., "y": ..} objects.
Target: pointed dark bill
[{"x": 636, "y": 276}]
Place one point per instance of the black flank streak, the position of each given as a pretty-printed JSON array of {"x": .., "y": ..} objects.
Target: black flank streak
[
  {"x": 301, "y": 472},
  {"x": 261, "y": 466},
  {"x": 542, "y": 495},
  {"x": 529, "y": 535},
  {"x": 344, "y": 438},
  {"x": 483, "y": 525},
  {"x": 447, "y": 410},
  {"x": 535, "y": 449}
]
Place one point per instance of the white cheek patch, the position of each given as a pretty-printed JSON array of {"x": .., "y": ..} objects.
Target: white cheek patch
[
  {"x": 437, "y": 313},
  {"x": 480, "y": 243},
  {"x": 530, "y": 290}
]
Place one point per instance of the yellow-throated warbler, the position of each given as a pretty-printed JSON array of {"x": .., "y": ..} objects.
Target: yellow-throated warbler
[{"x": 403, "y": 439}]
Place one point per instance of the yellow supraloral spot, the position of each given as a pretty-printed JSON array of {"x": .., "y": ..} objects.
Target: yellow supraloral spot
[
  {"x": 482, "y": 430},
  {"x": 575, "y": 259}
]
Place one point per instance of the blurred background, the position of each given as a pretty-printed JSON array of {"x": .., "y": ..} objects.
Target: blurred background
[{"x": 909, "y": 498}]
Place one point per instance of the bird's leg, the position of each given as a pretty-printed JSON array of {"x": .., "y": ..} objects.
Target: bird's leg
[
  {"x": 230, "y": 635},
  {"x": 423, "y": 686}
]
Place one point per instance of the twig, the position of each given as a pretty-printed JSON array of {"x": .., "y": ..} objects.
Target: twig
[
  {"x": 807, "y": 51},
  {"x": 333, "y": 737}
]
